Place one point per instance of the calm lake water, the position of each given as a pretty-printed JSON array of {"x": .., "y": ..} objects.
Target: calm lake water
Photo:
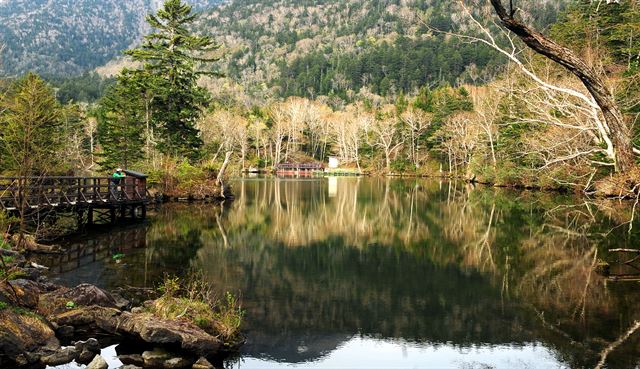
[{"x": 394, "y": 273}]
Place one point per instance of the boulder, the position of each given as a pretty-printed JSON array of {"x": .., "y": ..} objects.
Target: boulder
[
  {"x": 177, "y": 363},
  {"x": 155, "y": 358},
  {"x": 86, "y": 357},
  {"x": 185, "y": 335},
  {"x": 65, "y": 332},
  {"x": 63, "y": 356},
  {"x": 89, "y": 321},
  {"x": 88, "y": 350},
  {"x": 130, "y": 367},
  {"x": 91, "y": 344},
  {"x": 98, "y": 363},
  {"x": 133, "y": 359},
  {"x": 22, "y": 333},
  {"x": 23, "y": 292},
  {"x": 62, "y": 299},
  {"x": 202, "y": 363},
  {"x": 89, "y": 295}
]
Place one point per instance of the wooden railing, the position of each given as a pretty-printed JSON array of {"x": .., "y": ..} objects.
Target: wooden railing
[{"x": 37, "y": 192}]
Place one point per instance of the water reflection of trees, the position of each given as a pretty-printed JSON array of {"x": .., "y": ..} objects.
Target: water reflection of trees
[
  {"x": 537, "y": 249},
  {"x": 412, "y": 259}
]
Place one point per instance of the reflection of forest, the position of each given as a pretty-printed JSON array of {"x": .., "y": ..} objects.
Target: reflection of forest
[{"x": 417, "y": 260}]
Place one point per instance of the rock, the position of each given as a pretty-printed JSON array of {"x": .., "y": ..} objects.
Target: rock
[
  {"x": 202, "y": 363},
  {"x": 86, "y": 357},
  {"x": 177, "y": 363},
  {"x": 17, "y": 257},
  {"x": 155, "y": 358},
  {"x": 90, "y": 295},
  {"x": 91, "y": 344},
  {"x": 88, "y": 350},
  {"x": 98, "y": 363},
  {"x": 23, "y": 293},
  {"x": 60, "y": 299},
  {"x": 65, "y": 332},
  {"x": 130, "y": 367},
  {"x": 91, "y": 321},
  {"x": 186, "y": 336},
  {"x": 31, "y": 274},
  {"x": 121, "y": 302},
  {"x": 133, "y": 359},
  {"x": 24, "y": 333},
  {"x": 64, "y": 356}
]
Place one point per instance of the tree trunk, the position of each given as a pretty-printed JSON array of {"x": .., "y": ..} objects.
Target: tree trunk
[
  {"x": 220, "y": 178},
  {"x": 618, "y": 128}
]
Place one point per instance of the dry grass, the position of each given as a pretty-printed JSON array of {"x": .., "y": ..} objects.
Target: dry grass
[{"x": 194, "y": 302}]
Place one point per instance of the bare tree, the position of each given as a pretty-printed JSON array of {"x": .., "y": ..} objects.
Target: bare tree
[
  {"x": 417, "y": 122},
  {"x": 616, "y": 129},
  {"x": 385, "y": 129}
]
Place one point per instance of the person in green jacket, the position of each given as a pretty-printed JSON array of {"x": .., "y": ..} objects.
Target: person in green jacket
[
  {"x": 117, "y": 178},
  {"x": 118, "y": 174}
]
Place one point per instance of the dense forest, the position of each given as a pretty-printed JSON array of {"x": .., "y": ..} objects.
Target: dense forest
[
  {"x": 417, "y": 87},
  {"x": 69, "y": 37},
  {"x": 326, "y": 47}
]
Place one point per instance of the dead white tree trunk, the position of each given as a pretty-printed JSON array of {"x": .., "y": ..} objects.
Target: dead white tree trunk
[
  {"x": 615, "y": 125},
  {"x": 220, "y": 179}
]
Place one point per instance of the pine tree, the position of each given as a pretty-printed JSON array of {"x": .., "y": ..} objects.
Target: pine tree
[
  {"x": 171, "y": 56},
  {"x": 30, "y": 136},
  {"x": 30, "y": 127},
  {"x": 120, "y": 123}
]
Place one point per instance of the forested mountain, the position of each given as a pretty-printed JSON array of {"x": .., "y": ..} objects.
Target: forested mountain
[
  {"x": 64, "y": 37},
  {"x": 324, "y": 47}
]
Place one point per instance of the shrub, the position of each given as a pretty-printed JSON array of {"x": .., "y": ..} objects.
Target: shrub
[{"x": 193, "y": 301}]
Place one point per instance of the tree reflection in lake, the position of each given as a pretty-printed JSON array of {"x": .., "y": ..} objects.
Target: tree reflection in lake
[{"x": 429, "y": 263}]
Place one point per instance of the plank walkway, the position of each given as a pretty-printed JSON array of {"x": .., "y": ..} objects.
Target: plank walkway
[{"x": 75, "y": 194}]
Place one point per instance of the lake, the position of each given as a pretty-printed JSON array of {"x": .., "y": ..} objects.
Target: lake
[{"x": 394, "y": 273}]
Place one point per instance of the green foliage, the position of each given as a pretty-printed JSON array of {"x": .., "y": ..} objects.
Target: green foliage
[
  {"x": 402, "y": 166},
  {"x": 120, "y": 122},
  {"x": 5, "y": 223},
  {"x": 30, "y": 127},
  {"x": 193, "y": 301},
  {"x": 70, "y": 305},
  {"x": 171, "y": 55},
  {"x": 170, "y": 286},
  {"x": 87, "y": 88},
  {"x": 228, "y": 316},
  {"x": 3, "y": 305},
  {"x": 612, "y": 28}
]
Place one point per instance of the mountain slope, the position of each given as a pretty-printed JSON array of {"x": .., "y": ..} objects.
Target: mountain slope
[
  {"x": 337, "y": 47},
  {"x": 66, "y": 37}
]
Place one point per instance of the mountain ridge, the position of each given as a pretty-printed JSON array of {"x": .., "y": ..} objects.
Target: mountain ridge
[{"x": 68, "y": 37}]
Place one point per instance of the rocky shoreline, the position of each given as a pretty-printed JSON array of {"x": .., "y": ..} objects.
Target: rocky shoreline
[{"x": 43, "y": 324}]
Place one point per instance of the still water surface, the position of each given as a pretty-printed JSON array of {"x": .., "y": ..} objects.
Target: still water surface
[{"x": 393, "y": 273}]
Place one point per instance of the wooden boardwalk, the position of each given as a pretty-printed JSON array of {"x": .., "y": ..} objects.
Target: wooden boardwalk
[{"x": 127, "y": 197}]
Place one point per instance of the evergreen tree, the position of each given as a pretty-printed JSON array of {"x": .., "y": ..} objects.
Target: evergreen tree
[
  {"x": 30, "y": 127},
  {"x": 120, "y": 123},
  {"x": 30, "y": 136},
  {"x": 171, "y": 56}
]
